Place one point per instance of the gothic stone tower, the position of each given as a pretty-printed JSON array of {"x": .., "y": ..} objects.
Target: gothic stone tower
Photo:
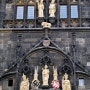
[{"x": 62, "y": 41}]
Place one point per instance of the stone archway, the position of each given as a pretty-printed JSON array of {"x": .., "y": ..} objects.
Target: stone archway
[{"x": 52, "y": 57}]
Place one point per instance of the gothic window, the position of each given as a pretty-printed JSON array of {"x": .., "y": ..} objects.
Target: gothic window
[
  {"x": 63, "y": 11},
  {"x": 20, "y": 12},
  {"x": 30, "y": 12},
  {"x": 81, "y": 82},
  {"x": 74, "y": 11}
]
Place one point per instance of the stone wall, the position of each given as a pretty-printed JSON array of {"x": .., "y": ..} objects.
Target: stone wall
[{"x": 9, "y": 41}]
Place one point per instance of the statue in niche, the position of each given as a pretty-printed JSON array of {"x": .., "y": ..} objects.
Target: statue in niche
[
  {"x": 65, "y": 82},
  {"x": 24, "y": 83},
  {"x": 55, "y": 74},
  {"x": 55, "y": 83},
  {"x": 52, "y": 9},
  {"x": 45, "y": 75},
  {"x": 40, "y": 8},
  {"x": 35, "y": 83}
]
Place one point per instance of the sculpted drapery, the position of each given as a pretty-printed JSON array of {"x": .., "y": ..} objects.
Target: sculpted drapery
[
  {"x": 45, "y": 75},
  {"x": 65, "y": 82},
  {"x": 24, "y": 83}
]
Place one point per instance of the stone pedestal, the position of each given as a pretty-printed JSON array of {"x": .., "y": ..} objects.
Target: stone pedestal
[
  {"x": 52, "y": 19},
  {"x": 45, "y": 87},
  {"x": 81, "y": 88},
  {"x": 40, "y": 19}
]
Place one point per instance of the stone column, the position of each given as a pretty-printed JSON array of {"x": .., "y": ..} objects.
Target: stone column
[
  {"x": 73, "y": 53},
  {"x": 2, "y": 12}
]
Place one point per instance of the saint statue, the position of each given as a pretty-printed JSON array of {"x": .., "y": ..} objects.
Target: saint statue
[
  {"x": 24, "y": 83},
  {"x": 52, "y": 9},
  {"x": 65, "y": 82},
  {"x": 45, "y": 75},
  {"x": 40, "y": 8},
  {"x": 55, "y": 74},
  {"x": 35, "y": 83},
  {"x": 55, "y": 83}
]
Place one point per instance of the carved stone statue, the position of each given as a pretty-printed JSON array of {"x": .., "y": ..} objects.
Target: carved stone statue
[
  {"x": 65, "y": 82},
  {"x": 46, "y": 25},
  {"x": 40, "y": 8},
  {"x": 24, "y": 83},
  {"x": 36, "y": 74},
  {"x": 52, "y": 8},
  {"x": 55, "y": 83},
  {"x": 35, "y": 83},
  {"x": 55, "y": 74},
  {"x": 45, "y": 75}
]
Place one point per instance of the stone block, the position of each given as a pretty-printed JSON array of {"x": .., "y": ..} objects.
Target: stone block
[
  {"x": 81, "y": 41},
  {"x": 88, "y": 63},
  {"x": 58, "y": 39},
  {"x": 30, "y": 40}
]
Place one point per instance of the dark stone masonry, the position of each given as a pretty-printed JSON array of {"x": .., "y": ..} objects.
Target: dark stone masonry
[{"x": 24, "y": 43}]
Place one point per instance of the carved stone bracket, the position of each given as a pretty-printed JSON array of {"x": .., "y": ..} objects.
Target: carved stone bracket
[
  {"x": 40, "y": 19},
  {"x": 52, "y": 19}
]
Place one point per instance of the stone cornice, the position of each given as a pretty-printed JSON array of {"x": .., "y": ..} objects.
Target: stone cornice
[{"x": 66, "y": 29}]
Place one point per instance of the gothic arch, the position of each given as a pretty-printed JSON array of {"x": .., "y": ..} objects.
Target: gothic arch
[{"x": 50, "y": 49}]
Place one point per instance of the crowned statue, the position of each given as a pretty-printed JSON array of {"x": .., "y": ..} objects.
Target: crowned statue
[
  {"x": 52, "y": 9},
  {"x": 24, "y": 83},
  {"x": 65, "y": 82},
  {"x": 45, "y": 75},
  {"x": 40, "y": 8}
]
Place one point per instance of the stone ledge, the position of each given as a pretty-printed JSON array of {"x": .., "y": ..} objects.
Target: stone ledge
[{"x": 66, "y": 29}]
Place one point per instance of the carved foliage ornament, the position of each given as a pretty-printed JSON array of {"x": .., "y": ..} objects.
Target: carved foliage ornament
[
  {"x": 20, "y": 2},
  {"x": 46, "y": 43},
  {"x": 46, "y": 25}
]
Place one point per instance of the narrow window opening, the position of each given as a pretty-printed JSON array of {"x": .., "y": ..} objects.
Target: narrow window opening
[{"x": 10, "y": 82}]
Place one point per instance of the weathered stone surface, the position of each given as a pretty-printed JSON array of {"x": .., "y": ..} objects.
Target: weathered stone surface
[{"x": 10, "y": 42}]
